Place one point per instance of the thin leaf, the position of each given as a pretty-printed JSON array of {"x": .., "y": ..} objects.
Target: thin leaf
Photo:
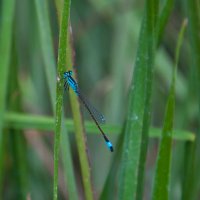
[
  {"x": 7, "y": 16},
  {"x": 78, "y": 124},
  {"x": 152, "y": 14},
  {"x": 59, "y": 88},
  {"x": 43, "y": 123},
  {"x": 136, "y": 131},
  {"x": 47, "y": 46},
  {"x": 162, "y": 176},
  {"x": 189, "y": 172},
  {"x": 18, "y": 142},
  {"x": 50, "y": 71},
  {"x": 192, "y": 11},
  {"x": 163, "y": 19}
]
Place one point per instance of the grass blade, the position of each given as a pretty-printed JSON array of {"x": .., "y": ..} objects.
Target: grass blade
[
  {"x": 152, "y": 14},
  {"x": 50, "y": 71},
  {"x": 47, "y": 46},
  {"x": 188, "y": 172},
  {"x": 82, "y": 149},
  {"x": 78, "y": 125},
  {"x": 7, "y": 16},
  {"x": 162, "y": 176},
  {"x": 43, "y": 123},
  {"x": 192, "y": 11},
  {"x": 80, "y": 139},
  {"x": 134, "y": 152},
  {"x": 162, "y": 21},
  {"x": 19, "y": 150},
  {"x": 59, "y": 88}
]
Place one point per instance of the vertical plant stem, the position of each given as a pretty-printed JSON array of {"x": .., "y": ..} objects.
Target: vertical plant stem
[
  {"x": 59, "y": 88},
  {"x": 79, "y": 127},
  {"x": 50, "y": 71},
  {"x": 188, "y": 172},
  {"x": 162, "y": 21},
  {"x": 136, "y": 131},
  {"x": 118, "y": 52},
  {"x": 163, "y": 166},
  {"x": 47, "y": 46},
  {"x": 6, "y": 23},
  {"x": 16, "y": 137},
  {"x": 193, "y": 11},
  {"x": 151, "y": 32},
  {"x": 81, "y": 144}
]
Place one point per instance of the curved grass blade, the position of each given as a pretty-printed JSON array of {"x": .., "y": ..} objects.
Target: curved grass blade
[
  {"x": 50, "y": 71},
  {"x": 192, "y": 11},
  {"x": 136, "y": 135},
  {"x": 78, "y": 124},
  {"x": 16, "y": 137},
  {"x": 188, "y": 182},
  {"x": 6, "y": 23},
  {"x": 44, "y": 123},
  {"x": 162, "y": 176},
  {"x": 163, "y": 18},
  {"x": 59, "y": 88},
  {"x": 152, "y": 14}
]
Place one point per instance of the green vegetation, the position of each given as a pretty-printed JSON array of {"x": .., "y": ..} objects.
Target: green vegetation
[{"x": 138, "y": 62}]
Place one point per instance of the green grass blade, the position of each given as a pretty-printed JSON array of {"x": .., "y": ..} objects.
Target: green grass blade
[
  {"x": 79, "y": 129},
  {"x": 163, "y": 166},
  {"x": 121, "y": 26},
  {"x": 180, "y": 135},
  {"x": 163, "y": 19},
  {"x": 6, "y": 24},
  {"x": 43, "y": 123},
  {"x": 50, "y": 71},
  {"x": 152, "y": 14},
  {"x": 134, "y": 152},
  {"x": 16, "y": 137},
  {"x": 20, "y": 167},
  {"x": 47, "y": 46},
  {"x": 188, "y": 172},
  {"x": 59, "y": 88},
  {"x": 192, "y": 11},
  {"x": 80, "y": 139},
  {"x": 58, "y": 5},
  {"x": 78, "y": 125}
]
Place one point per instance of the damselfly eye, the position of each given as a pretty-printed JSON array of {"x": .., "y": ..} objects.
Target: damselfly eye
[{"x": 65, "y": 74}]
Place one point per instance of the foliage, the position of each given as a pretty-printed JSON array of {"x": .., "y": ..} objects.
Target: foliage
[{"x": 122, "y": 54}]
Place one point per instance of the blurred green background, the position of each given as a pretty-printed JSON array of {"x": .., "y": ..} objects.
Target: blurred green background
[{"x": 104, "y": 39}]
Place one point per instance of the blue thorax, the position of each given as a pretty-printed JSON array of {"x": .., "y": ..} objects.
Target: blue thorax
[{"x": 70, "y": 81}]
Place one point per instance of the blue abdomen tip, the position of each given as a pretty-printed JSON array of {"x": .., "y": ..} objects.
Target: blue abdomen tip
[{"x": 110, "y": 146}]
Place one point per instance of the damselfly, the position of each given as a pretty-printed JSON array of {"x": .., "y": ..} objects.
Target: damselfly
[{"x": 96, "y": 116}]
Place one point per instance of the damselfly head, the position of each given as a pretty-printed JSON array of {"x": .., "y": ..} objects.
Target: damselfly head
[
  {"x": 67, "y": 74},
  {"x": 70, "y": 72}
]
